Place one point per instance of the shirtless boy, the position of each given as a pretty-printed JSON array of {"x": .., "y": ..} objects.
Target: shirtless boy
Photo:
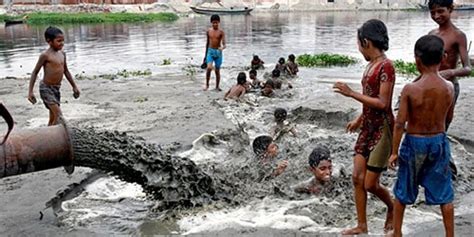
[
  {"x": 53, "y": 62},
  {"x": 320, "y": 165},
  {"x": 425, "y": 106},
  {"x": 238, "y": 90},
  {"x": 215, "y": 45}
]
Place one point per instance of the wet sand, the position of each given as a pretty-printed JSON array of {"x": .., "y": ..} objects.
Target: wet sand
[{"x": 171, "y": 109}]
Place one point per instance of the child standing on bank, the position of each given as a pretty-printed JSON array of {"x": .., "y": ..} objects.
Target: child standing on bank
[
  {"x": 53, "y": 62},
  {"x": 424, "y": 155},
  {"x": 376, "y": 122},
  {"x": 215, "y": 45}
]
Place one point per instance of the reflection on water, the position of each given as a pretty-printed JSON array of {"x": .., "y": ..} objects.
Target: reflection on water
[{"x": 106, "y": 48}]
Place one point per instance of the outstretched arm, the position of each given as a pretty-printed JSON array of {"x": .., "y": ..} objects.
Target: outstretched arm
[
  {"x": 34, "y": 75},
  {"x": 69, "y": 78},
  {"x": 380, "y": 102}
]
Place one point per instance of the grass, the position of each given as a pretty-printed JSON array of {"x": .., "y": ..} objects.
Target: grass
[
  {"x": 166, "y": 61},
  {"x": 120, "y": 74},
  {"x": 324, "y": 60},
  {"x": 41, "y": 18},
  {"x": 405, "y": 68}
]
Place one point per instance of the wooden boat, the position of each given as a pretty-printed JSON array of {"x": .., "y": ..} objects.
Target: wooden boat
[{"x": 232, "y": 10}]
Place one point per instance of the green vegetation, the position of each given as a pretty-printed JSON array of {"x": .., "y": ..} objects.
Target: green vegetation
[
  {"x": 324, "y": 60},
  {"x": 405, "y": 68},
  {"x": 166, "y": 61},
  {"x": 80, "y": 18},
  {"x": 120, "y": 74}
]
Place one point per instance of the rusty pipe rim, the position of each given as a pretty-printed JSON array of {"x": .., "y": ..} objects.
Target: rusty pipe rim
[{"x": 69, "y": 161}]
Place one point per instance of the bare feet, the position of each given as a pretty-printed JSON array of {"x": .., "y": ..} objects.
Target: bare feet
[
  {"x": 206, "y": 88},
  {"x": 218, "y": 89},
  {"x": 388, "y": 227},
  {"x": 355, "y": 231}
]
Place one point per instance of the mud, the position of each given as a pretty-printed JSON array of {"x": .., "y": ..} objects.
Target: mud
[{"x": 174, "y": 181}]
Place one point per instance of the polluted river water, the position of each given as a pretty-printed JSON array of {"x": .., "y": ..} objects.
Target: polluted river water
[{"x": 228, "y": 197}]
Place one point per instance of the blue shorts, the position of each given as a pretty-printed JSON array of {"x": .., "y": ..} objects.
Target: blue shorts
[
  {"x": 424, "y": 161},
  {"x": 214, "y": 55}
]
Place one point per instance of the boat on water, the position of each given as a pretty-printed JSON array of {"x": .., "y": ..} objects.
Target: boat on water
[
  {"x": 212, "y": 10},
  {"x": 14, "y": 22}
]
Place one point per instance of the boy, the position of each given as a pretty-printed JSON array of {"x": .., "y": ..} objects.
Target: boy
[
  {"x": 455, "y": 44},
  {"x": 268, "y": 88},
  {"x": 425, "y": 106},
  {"x": 215, "y": 45},
  {"x": 238, "y": 90},
  {"x": 256, "y": 63},
  {"x": 266, "y": 151},
  {"x": 320, "y": 166},
  {"x": 53, "y": 62},
  {"x": 281, "y": 66},
  {"x": 275, "y": 78},
  {"x": 291, "y": 65},
  {"x": 282, "y": 126},
  {"x": 254, "y": 82}
]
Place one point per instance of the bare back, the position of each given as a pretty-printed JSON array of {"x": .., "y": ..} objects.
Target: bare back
[
  {"x": 215, "y": 38},
  {"x": 429, "y": 102},
  {"x": 235, "y": 92},
  {"x": 53, "y": 66}
]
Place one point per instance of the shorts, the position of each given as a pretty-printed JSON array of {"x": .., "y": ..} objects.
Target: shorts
[
  {"x": 214, "y": 55},
  {"x": 424, "y": 161},
  {"x": 50, "y": 94}
]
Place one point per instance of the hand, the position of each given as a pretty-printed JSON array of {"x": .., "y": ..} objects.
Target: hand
[
  {"x": 447, "y": 74},
  {"x": 32, "y": 98},
  {"x": 353, "y": 125},
  {"x": 392, "y": 162},
  {"x": 281, "y": 167},
  {"x": 221, "y": 48},
  {"x": 342, "y": 88},
  {"x": 76, "y": 92}
]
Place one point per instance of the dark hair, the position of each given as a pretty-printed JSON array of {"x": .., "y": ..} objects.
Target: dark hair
[
  {"x": 261, "y": 143},
  {"x": 51, "y": 33},
  {"x": 215, "y": 18},
  {"x": 241, "y": 78},
  {"x": 318, "y": 154},
  {"x": 375, "y": 31},
  {"x": 255, "y": 57},
  {"x": 441, "y": 3},
  {"x": 253, "y": 71},
  {"x": 280, "y": 114},
  {"x": 277, "y": 83},
  {"x": 429, "y": 49},
  {"x": 281, "y": 60},
  {"x": 276, "y": 73},
  {"x": 269, "y": 82},
  {"x": 291, "y": 57}
]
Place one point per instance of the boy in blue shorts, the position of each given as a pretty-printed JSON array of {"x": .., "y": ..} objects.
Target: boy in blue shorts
[
  {"x": 426, "y": 105},
  {"x": 215, "y": 45}
]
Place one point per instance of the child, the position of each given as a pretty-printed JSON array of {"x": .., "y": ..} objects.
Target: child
[
  {"x": 424, "y": 154},
  {"x": 282, "y": 126},
  {"x": 215, "y": 45},
  {"x": 455, "y": 43},
  {"x": 256, "y": 63},
  {"x": 268, "y": 88},
  {"x": 238, "y": 90},
  {"x": 291, "y": 65},
  {"x": 254, "y": 82},
  {"x": 275, "y": 78},
  {"x": 376, "y": 122},
  {"x": 281, "y": 66},
  {"x": 54, "y": 64},
  {"x": 266, "y": 152},
  {"x": 320, "y": 166}
]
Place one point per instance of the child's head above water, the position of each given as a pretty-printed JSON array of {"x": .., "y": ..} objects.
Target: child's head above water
[
  {"x": 253, "y": 74},
  {"x": 440, "y": 3},
  {"x": 291, "y": 57},
  {"x": 51, "y": 33},
  {"x": 280, "y": 115},
  {"x": 281, "y": 60},
  {"x": 241, "y": 78},
  {"x": 269, "y": 83},
  {"x": 374, "y": 31},
  {"x": 276, "y": 73},
  {"x": 264, "y": 147},
  {"x": 256, "y": 58},
  {"x": 320, "y": 163},
  {"x": 429, "y": 50}
]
